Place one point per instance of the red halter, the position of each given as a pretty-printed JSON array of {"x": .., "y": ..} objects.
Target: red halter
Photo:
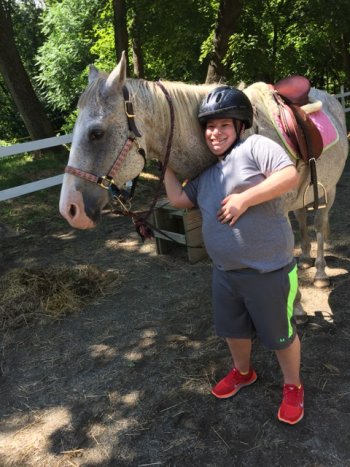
[
  {"x": 142, "y": 225},
  {"x": 104, "y": 181},
  {"x": 107, "y": 181}
]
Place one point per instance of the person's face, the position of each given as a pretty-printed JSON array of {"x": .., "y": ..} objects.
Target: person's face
[{"x": 220, "y": 134}]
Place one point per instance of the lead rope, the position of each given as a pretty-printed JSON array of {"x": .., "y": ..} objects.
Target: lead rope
[{"x": 143, "y": 227}]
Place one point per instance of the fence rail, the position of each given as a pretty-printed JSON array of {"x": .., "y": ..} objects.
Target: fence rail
[
  {"x": 21, "y": 148},
  {"x": 27, "y": 188},
  {"x": 29, "y": 146},
  {"x": 342, "y": 97}
]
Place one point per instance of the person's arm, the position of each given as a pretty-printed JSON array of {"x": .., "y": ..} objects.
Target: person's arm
[
  {"x": 174, "y": 191},
  {"x": 278, "y": 183}
]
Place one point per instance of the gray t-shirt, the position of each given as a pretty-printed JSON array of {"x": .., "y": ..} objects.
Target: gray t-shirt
[{"x": 262, "y": 237}]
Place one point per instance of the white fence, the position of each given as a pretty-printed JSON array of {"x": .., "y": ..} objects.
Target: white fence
[
  {"x": 16, "y": 149},
  {"x": 342, "y": 97},
  {"x": 65, "y": 139}
]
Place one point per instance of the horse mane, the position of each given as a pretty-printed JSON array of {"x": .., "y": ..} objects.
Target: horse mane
[
  {"x": 261, "y": 96},
  {"x": 147, "y": 95},
  {"x": 185, "y": 99},
  {"x": 149, "y": 99}
]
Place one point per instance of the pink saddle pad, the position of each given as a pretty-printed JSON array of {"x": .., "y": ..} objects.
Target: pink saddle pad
[{"x": 323, "y": 123}]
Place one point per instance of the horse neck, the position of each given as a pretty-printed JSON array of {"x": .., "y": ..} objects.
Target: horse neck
[
  {"x": 153, "y": 109},
  {"x": 264, "y": 105}
]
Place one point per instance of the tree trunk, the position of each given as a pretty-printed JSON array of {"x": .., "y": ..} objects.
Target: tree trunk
[
  {"x": 139, "y": 69},
  {"x": 17, "y": 80},
  {"x": 228, "y": 13},
  {"x": 121, "y": 37}
]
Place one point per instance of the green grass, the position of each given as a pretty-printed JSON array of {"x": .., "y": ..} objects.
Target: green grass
[
  {"x": 17, "y": 170},
  {"x": 30, "y": 210},
  {"x": 38, "y": 210}
]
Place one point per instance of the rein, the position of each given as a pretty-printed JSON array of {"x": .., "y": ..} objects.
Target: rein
[
  {"x": 140, "y": 220},
  {"x": 143, "y": 227}
]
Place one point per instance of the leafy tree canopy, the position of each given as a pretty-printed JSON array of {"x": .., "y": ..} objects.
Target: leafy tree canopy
[
  {"x": 278, "y": 38},
  {"x": 274, "y": 38},
  {"x": 63, "y": 57}
]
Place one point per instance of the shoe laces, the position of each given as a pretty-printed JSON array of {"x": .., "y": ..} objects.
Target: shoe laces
[{"x": 293, "y": 395}]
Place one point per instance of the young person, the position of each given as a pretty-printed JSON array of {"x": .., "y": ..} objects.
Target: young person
[{"x": 250, "y": 242}]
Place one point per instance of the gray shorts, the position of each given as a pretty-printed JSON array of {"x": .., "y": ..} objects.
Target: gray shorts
[{"x": 247, "y": 303}]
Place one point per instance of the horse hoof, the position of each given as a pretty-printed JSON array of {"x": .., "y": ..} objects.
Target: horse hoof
[
  {"x": 301, "y": 319},
  {"x": 299, "y": 314},
  {"x": 321, "y": 283}
]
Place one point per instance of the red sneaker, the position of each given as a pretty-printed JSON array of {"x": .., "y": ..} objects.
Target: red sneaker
[
  {"x": 232, "y": 383},
  {"x": 292, "y": 407}
]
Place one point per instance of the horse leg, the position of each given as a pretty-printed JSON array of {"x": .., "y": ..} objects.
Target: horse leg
[
  {"x": 305, "y": 261},
  {"x": 299, "y": 313},
  {"x": 321, "y": 225}
]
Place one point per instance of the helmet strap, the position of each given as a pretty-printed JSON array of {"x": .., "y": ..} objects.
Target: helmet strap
[{"x": 239, "y": 128}]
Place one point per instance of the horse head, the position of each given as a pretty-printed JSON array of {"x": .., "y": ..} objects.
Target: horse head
[{"x": 105, "y": 151}]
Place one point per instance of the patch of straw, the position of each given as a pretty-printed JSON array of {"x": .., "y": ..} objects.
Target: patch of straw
[{"x": 30, "y": 294}]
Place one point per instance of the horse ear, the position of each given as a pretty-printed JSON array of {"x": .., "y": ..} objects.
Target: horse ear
[
  {"x": 117, "y": 78},
  {"x": 93, "y": 73}
]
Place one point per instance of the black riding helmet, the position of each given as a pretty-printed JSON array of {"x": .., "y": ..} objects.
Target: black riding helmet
[{"x": 226, "y": 102}]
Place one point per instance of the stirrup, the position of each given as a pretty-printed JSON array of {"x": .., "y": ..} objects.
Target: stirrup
[{"x": 311, "y": 206}]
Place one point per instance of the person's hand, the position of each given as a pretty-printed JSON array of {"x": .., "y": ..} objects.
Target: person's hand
[{"x": 232, "y": 207}]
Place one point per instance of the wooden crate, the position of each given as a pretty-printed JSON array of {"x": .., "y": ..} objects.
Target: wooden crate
[{"x": 179, "y": 227}]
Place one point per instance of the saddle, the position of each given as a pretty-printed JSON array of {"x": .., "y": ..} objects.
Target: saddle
[{"x": 290, "y": 94}]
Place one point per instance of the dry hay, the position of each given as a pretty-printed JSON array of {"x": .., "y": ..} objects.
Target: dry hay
[{"x": 29, "y": 294}]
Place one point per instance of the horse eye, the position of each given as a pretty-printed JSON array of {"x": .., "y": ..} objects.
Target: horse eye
[{"x": 95, "y": 134}]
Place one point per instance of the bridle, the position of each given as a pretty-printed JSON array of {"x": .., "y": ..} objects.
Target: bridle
[{"x": 107, "y": 182}]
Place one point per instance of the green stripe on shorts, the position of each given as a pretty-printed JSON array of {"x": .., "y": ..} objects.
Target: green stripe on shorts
[{"x": 293, "y": 287}]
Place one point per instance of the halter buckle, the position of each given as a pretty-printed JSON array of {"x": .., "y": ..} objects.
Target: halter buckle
[
  {"x": 105, "y": 182},
  {"x": 129, "y": 108}
]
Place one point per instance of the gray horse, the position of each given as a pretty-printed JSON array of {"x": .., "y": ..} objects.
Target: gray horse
[{"x": 114, "y": 109}]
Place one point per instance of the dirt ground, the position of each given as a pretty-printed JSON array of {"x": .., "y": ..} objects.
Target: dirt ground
[{"x": 125, "y": 381}]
